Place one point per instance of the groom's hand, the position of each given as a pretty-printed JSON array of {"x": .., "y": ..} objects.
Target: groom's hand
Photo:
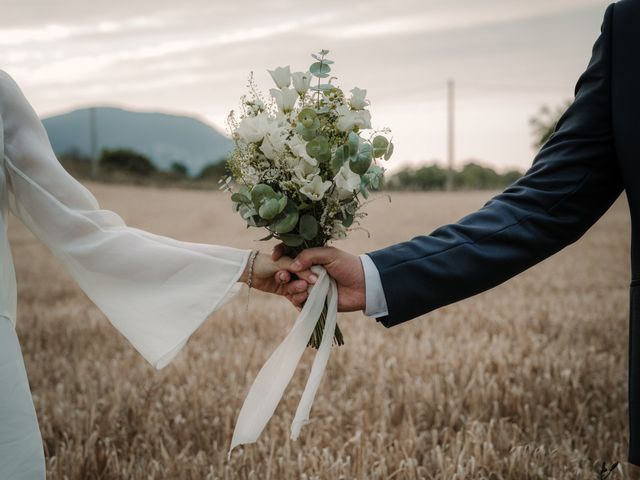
[{"x": 345, "y": 268}]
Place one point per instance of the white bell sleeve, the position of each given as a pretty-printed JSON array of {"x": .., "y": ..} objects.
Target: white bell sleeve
[{"x": 155, "y": 290}]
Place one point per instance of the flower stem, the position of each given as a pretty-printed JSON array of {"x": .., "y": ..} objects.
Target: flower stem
[{"x": 318, "y": 331}]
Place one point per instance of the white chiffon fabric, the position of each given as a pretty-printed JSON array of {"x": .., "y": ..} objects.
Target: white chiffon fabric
[
  {"x": 274, "y": 376},
  {"x": 155, "y": 290}
]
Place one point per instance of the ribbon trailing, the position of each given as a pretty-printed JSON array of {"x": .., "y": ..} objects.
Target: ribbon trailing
[{"x": 276, "y": 373}]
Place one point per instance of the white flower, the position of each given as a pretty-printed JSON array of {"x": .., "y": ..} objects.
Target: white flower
[
  {"x": 254, "y": 107},
  {"x": 357, "y": 100},
  {"x": 301, "y": 81},
  {"x": 349, "y": 119},
  {"x": 282, "y": 76},
  {"x": 253, "y": 129},
  {"x": 346, "y": 181},
  {"x": 305, "y": 172},
  {"x": 285, "y": 98},
  {"x": 316, "y": 188},
  {"x": 338, "y": 230},
  {"x": 274, "y": 141},
  {"x": 299, "y": 148}
]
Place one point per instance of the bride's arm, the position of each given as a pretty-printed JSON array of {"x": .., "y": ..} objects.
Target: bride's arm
[{"x": 155, "y": 290}]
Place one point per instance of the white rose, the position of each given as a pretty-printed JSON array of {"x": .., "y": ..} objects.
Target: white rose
[
  {"x": 253, "y": 129},
  {"x": 349, "y": 119},
  {"x": 316, "y": 188},
  {"x": 299, "y": 148},
  {"x": 301, "y": 81},
  {"x": 282, "y": 76},
  {"x": 357, "y": 100},
  {"x": 285, "y": 98},
  {"x": 346, "y": 181},
  {"x": 305, "y": 172}
]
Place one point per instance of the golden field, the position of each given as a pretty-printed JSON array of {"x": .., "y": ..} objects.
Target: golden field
[{"x": 528, "y": 380}]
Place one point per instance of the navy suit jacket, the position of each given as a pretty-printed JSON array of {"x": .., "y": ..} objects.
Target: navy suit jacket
[{"x": 591, "y": 158}]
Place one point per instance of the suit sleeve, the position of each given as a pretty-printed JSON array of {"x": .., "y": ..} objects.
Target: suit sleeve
[{"x": 573, "y": 181}]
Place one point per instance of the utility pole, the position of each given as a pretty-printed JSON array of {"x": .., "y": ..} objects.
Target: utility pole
[
  {"x": 93, "y": 132},
  {"x": 450, "y": 133}
]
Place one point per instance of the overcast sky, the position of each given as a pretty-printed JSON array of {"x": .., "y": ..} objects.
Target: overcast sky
[{"x": 507, "y": 56}]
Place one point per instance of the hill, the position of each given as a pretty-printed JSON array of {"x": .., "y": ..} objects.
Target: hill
[{"x": 163, "y": 137}]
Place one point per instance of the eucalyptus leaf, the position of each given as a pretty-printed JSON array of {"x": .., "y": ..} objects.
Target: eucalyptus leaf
[
  {"x": 348, "y": 220},
  {"x": 353, "y": 142},
  {"x": 380, "y": 142},
  {"x": 319, "y": 146},
  {"x": 247, "y": 211},
  {"x": 338, "y": 158},
  {"x": 323, "y": 87},
  {"x": 324, "y": 157},
  {"x": 261, "y": 192},
  {"x": 286, "y": 222},
  {"x": 377, "y": 152},
  {"x": 291, "y": 240},
  {"x": 365, "y": 151},
  {"x": 307, "y": 134},
  {"x": 256, "y": 221},
  {"x": 360, "y": 165},
  {"x": 240, "y": 198},
  {"x": 282, "y": 203},
  {"x": 269, "y": 209},
  {"x": 308, "y": 117},
  {"x": 320, "y": 69},
  {"x": 389, "y": 152},
  {"x": 267, "y": 238},
  {"x": 308, "y": 227}
]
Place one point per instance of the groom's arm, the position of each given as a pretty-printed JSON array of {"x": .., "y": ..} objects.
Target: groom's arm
[{"x": 574, "y": 179}]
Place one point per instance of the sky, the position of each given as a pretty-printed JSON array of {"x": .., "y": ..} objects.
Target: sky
[{"x": 507, "y": 58}]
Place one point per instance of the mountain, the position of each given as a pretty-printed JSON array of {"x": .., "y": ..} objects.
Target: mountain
[{"x": 162, "y": 137}]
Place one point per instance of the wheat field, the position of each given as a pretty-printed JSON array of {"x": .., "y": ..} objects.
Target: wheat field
[{"x": 528, "y": 380}]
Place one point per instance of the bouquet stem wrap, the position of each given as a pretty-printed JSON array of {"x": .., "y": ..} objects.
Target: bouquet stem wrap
[{"x": 276, "y": 373}]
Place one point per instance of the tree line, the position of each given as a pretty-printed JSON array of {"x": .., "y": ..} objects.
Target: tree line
[
  {"x": 122, "y": 165},
  {"x": 471, "y": 176}
]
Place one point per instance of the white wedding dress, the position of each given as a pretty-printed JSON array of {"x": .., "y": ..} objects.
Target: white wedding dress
[{"x": 155, "y": 290}]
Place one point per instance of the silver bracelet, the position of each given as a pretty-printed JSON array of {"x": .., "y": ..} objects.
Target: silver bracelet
[{"x": 252, "y": 261}]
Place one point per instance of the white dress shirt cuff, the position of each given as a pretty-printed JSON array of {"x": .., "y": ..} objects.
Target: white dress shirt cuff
[{"x": 375, "y": 301}]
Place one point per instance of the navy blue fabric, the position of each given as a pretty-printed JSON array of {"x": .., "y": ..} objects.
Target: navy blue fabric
[{"x": 593, "y": 155}]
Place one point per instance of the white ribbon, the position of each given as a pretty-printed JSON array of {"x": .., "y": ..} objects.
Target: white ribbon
[{"x": 276, "y": 373}]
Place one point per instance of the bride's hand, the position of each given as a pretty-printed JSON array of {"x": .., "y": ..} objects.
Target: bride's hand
[{"x": 264, "y": 274}]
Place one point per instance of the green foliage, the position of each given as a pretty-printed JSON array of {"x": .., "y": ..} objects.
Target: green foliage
[
  {"x": 472, "y": 176},
  {"x": 127, "y": 161},
  {"x": 179, "y": 168},
  {"x": 308, "y": 227},
  {"x": 544, "y": 123},
  {"x": 213, "y": 171},
  {"x": 477, "y": 177}
]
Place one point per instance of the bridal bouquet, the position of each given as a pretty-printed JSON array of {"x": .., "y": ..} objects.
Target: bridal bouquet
[{"x": 304, "y": 162}]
